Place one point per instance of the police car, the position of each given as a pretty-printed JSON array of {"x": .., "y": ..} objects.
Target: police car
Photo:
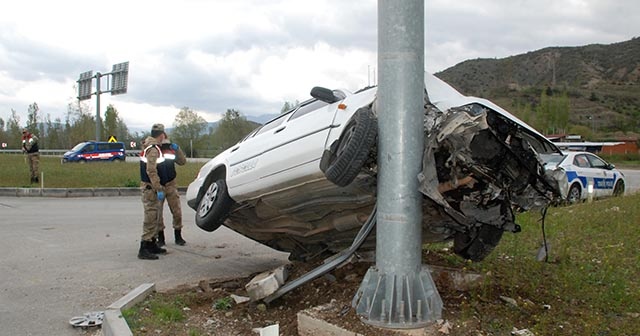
[{"x": 586, "y": 171}]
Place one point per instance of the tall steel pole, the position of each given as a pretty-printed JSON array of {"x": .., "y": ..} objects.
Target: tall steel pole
[
  {"x": 98, "y": 75},
  {"x": 399, "y": 292}
]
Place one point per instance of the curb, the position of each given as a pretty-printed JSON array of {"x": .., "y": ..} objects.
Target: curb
[
  {"x": 114, "y": 323},
  {"x": 74, "y": 192}
]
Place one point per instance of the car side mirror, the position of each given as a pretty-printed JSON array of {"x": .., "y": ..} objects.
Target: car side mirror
[
  {"x": 324, "y": 94},
  {"x": 610, "y": 166}
]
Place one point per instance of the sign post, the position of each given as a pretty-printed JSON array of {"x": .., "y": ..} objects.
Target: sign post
[{"x": 120, "y": 78}]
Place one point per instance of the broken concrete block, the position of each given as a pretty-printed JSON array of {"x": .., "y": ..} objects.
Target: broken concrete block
[{"x": 265, "y": 284}]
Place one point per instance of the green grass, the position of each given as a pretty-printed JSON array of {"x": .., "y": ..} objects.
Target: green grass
[
  {"x": 157, "y": 312},
  {"x": 15, "y": 173},
  {"x": 591, "y": 282}
]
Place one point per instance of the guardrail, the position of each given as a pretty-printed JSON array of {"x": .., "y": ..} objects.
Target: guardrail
[{"x": 60, "y": 152}]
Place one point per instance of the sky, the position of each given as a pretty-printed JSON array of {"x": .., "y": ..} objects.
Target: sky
[{"x": 255, "y": 55}]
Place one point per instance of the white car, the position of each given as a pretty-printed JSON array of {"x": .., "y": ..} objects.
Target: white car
[
  {"x": 305, "y": 182},
  {"x": 586, "y": 171}
]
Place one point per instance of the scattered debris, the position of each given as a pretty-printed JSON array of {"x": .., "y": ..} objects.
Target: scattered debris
[
  {"x": 521, "y": 332},
  {"x": 240, "y": 299},
  {"x": 91, "y": 319},
  {"x": 546, "y": 307},
  {"x": 266, "y": 283},
  {"x": 509, "y": 300},
  {"x": 445, "y": 327},
  {"x": 272, "y": 330}
]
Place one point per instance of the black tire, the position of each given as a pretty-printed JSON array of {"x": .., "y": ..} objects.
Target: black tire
[
  {"x": 477, "y": 245},
  {"x": 351, "y": 150},
  {"x": 214, "y": 206},
  {"x": 618, "y": 190},
  {"x": 575, "y": 193}
]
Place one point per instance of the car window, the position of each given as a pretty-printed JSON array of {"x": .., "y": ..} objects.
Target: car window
[
  {"x": 313, "y": 106},
  {"x": 102, "y": 146},
  {"x": 272, "y": 124},
  {"x": 581, "y": 161},
  {"x": 596, "y": 162}
]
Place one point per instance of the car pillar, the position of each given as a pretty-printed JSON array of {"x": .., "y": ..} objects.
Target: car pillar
[{"x": 399, "y": 291}]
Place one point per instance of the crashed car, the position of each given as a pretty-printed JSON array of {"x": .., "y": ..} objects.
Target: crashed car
[
  {"x": 305, "y": 182},
  {"x": 586, "y": 170}
]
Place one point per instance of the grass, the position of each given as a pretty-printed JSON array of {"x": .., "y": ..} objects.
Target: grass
[
  {"x": 157, "y": 311},
  {"x": 591, "y": 282},
  {"x": 15, "y": 173}
]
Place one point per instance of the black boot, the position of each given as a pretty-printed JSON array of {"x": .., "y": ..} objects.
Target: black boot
[
  {"x": 144, "y": 252},
  {"x": 154, "y": 248},
  {"x": 179, "y": 240},
  {"x": 160, "y": 238}
]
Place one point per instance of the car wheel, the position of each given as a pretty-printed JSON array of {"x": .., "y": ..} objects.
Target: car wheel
[
  {"x": 618, "y": 190},
  {"x": 477, "y": 244},
  {"x": 352, "y": 148},
  {"x": 575, "y": 193},
  {"x": 214, "y": 206}
]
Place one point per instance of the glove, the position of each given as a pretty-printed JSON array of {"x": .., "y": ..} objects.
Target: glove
[
  {"x": 174, "y": 146},
  {"x": 160, "y": 195}
]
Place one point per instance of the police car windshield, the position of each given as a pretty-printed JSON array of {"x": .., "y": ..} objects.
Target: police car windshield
[{"x": 78, "y": 147}]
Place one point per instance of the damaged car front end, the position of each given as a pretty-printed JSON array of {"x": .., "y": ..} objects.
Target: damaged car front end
[{"x": 481, "y": 165}]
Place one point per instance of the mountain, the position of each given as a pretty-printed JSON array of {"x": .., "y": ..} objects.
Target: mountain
[{"x": 601, "y": 81}]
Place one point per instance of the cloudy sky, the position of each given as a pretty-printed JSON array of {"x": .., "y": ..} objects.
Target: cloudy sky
[{"x": 253, "y": 55}]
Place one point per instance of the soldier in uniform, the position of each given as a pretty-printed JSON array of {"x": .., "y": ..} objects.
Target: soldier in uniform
[
  {"x": 153, "y": 175},
  {"x": 173, "y": 155},
  {"x": 30, "y": 147}
]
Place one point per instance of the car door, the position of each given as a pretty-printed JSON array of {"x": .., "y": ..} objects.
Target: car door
[
  {"x": 246, "y": 159},
  {"x": 603, "y": 177}
]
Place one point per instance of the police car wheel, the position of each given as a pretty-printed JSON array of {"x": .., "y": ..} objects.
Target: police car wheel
[
  {"x": 618, "y": 190},
  {"x": 575, "y": 193},
  {"x": 214, "y": 206}
]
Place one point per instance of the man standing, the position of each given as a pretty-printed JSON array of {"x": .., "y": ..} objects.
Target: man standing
[
  {"x": 153, "y": 176},
  {"x": 173, "y": 155},
  {"x": 30, "y": 147}
]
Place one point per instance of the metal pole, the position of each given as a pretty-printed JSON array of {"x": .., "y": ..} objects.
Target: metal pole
[
  {"x": 399, "y": 292},
  {"x": 98, "y": 75}
]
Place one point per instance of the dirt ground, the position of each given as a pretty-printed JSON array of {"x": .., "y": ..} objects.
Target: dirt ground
[{"x": 336, "y": 289}]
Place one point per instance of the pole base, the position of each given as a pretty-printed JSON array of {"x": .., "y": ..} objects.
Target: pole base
[{"x": 398, "y": 301}]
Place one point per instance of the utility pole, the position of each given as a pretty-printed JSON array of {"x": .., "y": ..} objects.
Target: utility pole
[{"x": 399, "y": 291}]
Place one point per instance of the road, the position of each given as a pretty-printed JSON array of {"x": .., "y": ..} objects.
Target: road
[
  {"x": 632, "y": 177},
  {"x": 63, "y": 257}
]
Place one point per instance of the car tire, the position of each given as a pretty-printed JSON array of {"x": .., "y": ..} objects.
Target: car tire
[
  {"x": 575, "y": 194},
  {"x": 214, "y": 206},
  {"x": 618, "y": 189},
  {"x": 351, "y": 151},
  {"x": 477, "y": 244}
]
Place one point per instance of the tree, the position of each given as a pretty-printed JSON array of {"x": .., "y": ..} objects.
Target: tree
[
  {"x": 231, "y": 129},
  {"x": 33, "y": 118},
  {"x": 113, "y": 125},
  {"x": 188, "y": 129},
  {"x": 14, "y": 130}
]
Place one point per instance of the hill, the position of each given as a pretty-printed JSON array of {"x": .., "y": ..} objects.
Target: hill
[{"x": 601, "y": 82}]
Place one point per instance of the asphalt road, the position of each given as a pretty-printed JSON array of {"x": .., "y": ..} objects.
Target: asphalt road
[{"x": 63, "y": 257}]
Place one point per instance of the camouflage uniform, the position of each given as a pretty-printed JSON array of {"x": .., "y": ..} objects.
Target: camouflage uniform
[
  {"x": 172, "y": 157},
  {"x": 30, "y": 146},
  {"x": 153, "y": 177}
]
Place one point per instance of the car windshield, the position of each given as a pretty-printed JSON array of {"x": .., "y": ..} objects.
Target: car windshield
[
  {"x": 78, "y": 147},
  {"x": 552, "y": 159}
]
